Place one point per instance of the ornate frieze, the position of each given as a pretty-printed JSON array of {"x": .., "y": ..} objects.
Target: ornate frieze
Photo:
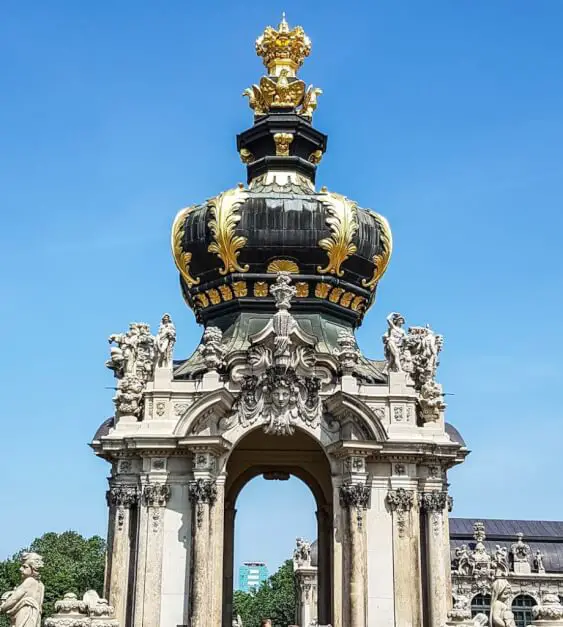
[
  {"x": 202, "y": 492},
  {"x": 400, "y": 502}
]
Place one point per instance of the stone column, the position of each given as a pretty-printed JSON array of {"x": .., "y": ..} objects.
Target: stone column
[
  {"x": 324, "y": 561},
  {"x": 203, "y": 493},
  {"x": 216, "y": 543},
  {"x": 406, "y": 557},
  {"x": 355, "y": 498},
  {"x": 149, "y": 554},
  {"x": 433, "y": 505},
  {"x": 228, "y": 562},
  {"x": 306, "y": 578},
  {"x": 121, "y": 497}
]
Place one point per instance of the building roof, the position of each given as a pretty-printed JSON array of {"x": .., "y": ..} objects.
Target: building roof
[{"x": 542, "y": 535}]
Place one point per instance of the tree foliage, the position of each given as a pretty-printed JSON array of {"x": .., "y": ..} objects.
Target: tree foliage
[
  {"x": 275, "y": 599},
  {"x": 72, "y": 564}
]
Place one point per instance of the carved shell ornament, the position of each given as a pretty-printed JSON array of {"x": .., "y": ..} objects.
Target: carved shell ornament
[
  {"x": 343, "y": 223},
  {"x": 182, "y": 258},
  {"x": 381, "y": 260},
  {"x": 225, "y": 217}
]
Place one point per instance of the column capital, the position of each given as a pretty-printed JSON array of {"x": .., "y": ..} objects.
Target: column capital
[
  {"x": 202, "y": 492},
  {"x": 122, "y": 495},
  {"x": 434, "y": 501},
  {"x": 400, "y": 500},
  {"x": 355, "y": 495},
  {"x": 156, "y": 494}
]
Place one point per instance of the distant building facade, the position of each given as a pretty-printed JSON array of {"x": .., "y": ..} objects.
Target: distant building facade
[{"x": 251, "y": 575}]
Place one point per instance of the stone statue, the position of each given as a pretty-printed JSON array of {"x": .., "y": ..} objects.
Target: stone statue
[
  {"x": 538, "y": 559},
  {"x": 128, "y": 398},
  {"x": 462, "y": 556},
  {"x": 165, "y": 340},
  {"x": 90, "y": 611},
  {"x": 393, "y": 341},
  {"x": 348, "y": 353},
  {"x": 431, "y": 401},
  {"x": 211, "y": 348},
  {"x": 424, "y": 346},
  {"x": 302, "y": 552},
  {"x": 237, "y": 622},
  {"x": 521, "y": 553},
  {"x": 501, "y": 561},
  {"x": 133, "y": 353},
  {"x": 24, "y": 604},
  {"x": 501, "y": 615}
]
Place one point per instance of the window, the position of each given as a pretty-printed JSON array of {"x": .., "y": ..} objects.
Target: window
[
  {"x": 481, "y": 604},
  {"x": 522, "y": 609}
]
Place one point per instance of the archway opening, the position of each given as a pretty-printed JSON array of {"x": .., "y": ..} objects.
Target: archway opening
[{"x": 279, "y": 489}]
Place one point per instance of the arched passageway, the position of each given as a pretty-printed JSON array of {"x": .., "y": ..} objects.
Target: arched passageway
[{"x": 275, "y": 458}]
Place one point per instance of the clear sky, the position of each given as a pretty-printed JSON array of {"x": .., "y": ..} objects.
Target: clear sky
[{"x": 447, "y": 117}]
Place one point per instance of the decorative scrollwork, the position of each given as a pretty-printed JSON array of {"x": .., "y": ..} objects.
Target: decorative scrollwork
[
  {"x": 182, "y": 258},
  {"x": 343, "y": 223},
  {"x": 381, "y": 260},
  {"x": 226, "y": 244}
]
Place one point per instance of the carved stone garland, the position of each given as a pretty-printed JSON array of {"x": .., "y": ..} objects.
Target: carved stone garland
[
  {"x": 276, "y": 387},
  {"x": 401, "y": 501}
]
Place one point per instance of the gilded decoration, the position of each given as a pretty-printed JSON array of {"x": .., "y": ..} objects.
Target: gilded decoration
[
  {"x": 336, "y": 294},
  {"x": 283, "y": 51},
  {"x": 226, "y": 292},
  {"x": 381, "y": 260},
  {"x": 347, "y": 299},
  {"x": 202, "y": 299},
  {"x": 316, "y": 157},
  {"x": 343, "y": 223},
  {"x": 246, "y": 156},
  {"x": 225, "y": 217},
  {"x": 301, "y": 290},
  {"x": 240, "y": 288},
  {"x": 282, "y": 265},
  {"x": 322, "y": 290},
  {"x": 182, "y": 258},
  {"x": 260, "y": 289},
  {"x": 214, "y": 296},
  {"x": 283, "y": 141},
  {"x": 358, "y": 304}
]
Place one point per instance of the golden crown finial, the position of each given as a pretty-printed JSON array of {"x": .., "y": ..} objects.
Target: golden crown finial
[{"x": 284, "y": 48}]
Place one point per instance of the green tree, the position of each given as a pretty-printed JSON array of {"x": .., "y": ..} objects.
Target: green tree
[
  {"x": 72, "y": 564},
  {"x": 275, "y": 599}
]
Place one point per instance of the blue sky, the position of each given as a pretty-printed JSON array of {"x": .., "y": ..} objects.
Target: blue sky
[{"x": 447, "y": 117}]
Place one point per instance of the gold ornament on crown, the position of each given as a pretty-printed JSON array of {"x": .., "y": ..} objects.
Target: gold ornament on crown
[
  {"x": 381, "y": 260},
  {"x": 283, "y": 52}
]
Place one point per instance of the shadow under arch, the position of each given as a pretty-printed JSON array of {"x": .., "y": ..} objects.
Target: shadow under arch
[{"x": 278, "y": 457}]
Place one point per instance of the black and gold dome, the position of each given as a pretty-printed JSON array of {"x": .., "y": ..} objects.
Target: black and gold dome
[{"x": 229, "y": 249}]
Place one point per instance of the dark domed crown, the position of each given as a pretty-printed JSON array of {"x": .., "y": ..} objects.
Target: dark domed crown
[{"x": 229, "y": 249}]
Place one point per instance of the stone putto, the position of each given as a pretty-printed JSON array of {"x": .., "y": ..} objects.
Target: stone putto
[{"x": 23, "y": 605}]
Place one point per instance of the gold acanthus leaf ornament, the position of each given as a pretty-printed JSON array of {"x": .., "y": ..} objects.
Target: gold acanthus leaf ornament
[
  {"x": 381, "y": 260},
  {"x": 225, "y": 217},
  {"x": 182, "y": 258},
  {"x": 343, "y": 222}
]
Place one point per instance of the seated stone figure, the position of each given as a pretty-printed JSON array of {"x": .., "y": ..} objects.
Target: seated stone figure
[{"x": 23, "y": 605}]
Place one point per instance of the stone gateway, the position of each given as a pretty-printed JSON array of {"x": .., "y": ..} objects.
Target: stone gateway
[{"x": 280, "y": 275}]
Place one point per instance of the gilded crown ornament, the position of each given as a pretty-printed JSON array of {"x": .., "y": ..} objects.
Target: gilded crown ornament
[{"x": 283, "y": 51}]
